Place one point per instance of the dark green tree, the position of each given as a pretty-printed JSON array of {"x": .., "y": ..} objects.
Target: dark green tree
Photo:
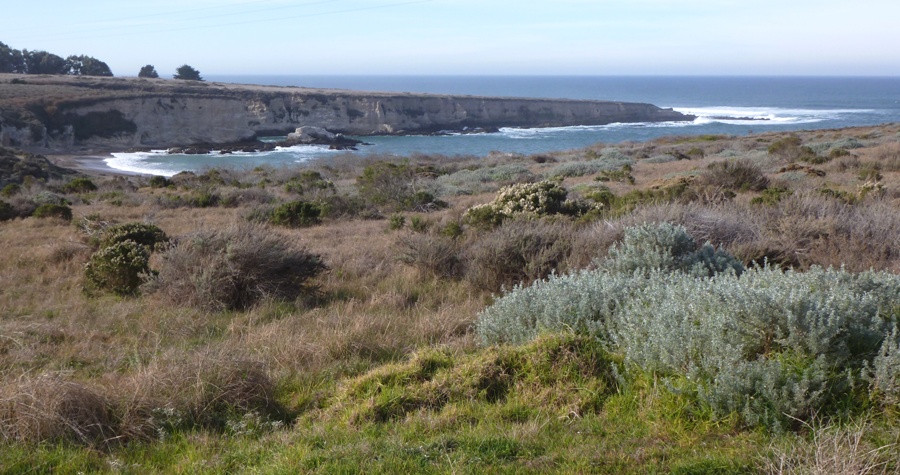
[
  {"x": 11, "y": 60},
  {"x": 87, "y": 66},
  {"x": 148, "y": 71},
  {"x": 42, "y": 62},
  {"x": 186, "y": 72}
]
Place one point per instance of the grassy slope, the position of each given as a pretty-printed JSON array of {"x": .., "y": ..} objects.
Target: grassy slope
[{"x": 381, "y": 372}]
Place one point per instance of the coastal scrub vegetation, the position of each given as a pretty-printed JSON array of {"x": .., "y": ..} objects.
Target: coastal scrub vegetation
[{"x": 703, "y": 304}]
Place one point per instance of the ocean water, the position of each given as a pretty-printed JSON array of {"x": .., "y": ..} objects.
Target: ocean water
[{"x": 724, "y": 105}]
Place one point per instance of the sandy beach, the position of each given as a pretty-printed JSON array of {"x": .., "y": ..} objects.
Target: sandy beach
[{"x": 93, "y": 164}]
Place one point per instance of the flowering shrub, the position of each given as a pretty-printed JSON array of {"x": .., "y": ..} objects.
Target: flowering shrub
[
  {"x": 148, "y": 235},
  {"x": 119, "y": 268},
  {"x": 524, "y": 200}
]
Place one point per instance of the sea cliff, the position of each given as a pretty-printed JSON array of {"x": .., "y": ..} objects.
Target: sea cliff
[{"x": 68, "y": 113}]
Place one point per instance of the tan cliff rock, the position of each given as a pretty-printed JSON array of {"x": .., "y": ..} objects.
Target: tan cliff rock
[{"x": 64, "y": 112}]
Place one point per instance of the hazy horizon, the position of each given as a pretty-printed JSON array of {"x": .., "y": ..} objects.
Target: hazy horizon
[{"x": 471, "y": 38}]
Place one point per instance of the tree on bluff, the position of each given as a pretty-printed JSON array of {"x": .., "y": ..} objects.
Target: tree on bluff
[
  {"x": 148, "y": 71},
  {"x": 11, "y": 60},
  {"x": 186, "y": 72},
  {"x": 86, "y": 66},
  {"x": 42, "y": 62}
]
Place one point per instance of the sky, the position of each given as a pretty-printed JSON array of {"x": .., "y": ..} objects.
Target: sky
[{"x": 468, "y": 37}]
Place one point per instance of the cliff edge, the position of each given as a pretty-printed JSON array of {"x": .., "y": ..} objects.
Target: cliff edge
[{"x": 66, "y": 113}]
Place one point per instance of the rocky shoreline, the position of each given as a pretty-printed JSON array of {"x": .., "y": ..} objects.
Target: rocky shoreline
[{"x": 60, "y": 114}]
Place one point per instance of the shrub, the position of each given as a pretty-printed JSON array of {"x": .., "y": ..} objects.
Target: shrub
[
  {"x": 524, "y": 200},
  {"x": 309, "y": 183},
  {"x": 46, "y": 197},
  {"x": 10, "y": 190},
  {"x": 666, "y": 247},
  {"x": 296, "y": 214},
  {"x": 742, "y": 175},
  {"x": 395, "y": 186},
  {"x": 574, "y": 169},
  {"x": 885, "y": 371},
  {"x": 791, "y": 148},
  {"x": 145, "y": 234},
  {"x": 435, "y": 255},
  {"x": 396, "y": 222},
  {"x": 7, "y": 212},
  {"x": 79, "y": 185},
  {"x": 418, "y": 224},
  {"x": 53, "y": 211},
  {"x": 120, "y": 267},
  {"x": 235, "y": 268},
  {"x": 483, "y": 179},
  {"x": 518, "y": 251},
  {"x": 159, "y": 182},
  {"x": 772, "y": 346},
  {"x": 771, "y": 196}
]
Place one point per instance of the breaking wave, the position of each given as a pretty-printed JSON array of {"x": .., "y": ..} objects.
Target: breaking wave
[{"x": 159, "y": 162}]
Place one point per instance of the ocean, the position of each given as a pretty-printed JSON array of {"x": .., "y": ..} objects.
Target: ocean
[{"x": 786, "y": 103}]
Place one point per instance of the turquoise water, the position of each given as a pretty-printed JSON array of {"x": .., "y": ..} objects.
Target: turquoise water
[{"x": 788, "y": 103}]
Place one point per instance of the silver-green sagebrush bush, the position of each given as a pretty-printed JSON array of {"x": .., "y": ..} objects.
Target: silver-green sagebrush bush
[
  {"x": 667, "y": 247},
  {"x": 772, "y": 346}
]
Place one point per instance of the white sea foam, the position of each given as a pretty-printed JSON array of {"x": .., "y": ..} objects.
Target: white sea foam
[
  {"x": 159, "y": 162},
  {"x": 731, "y": 115},
  {"x": 763, "y": 115},
  {"x": 140, "y": 162},
  {"x": 544, "y": 132}
]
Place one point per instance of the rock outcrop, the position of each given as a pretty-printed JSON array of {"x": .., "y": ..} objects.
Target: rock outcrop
[{"x": 117, "y": 114}]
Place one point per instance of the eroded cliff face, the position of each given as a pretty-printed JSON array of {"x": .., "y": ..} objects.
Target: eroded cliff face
[{"x": 219, "y": 113}]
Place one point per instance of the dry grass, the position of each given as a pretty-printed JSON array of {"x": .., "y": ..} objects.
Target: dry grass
[
  {"x": 835, "y": 450},
  {"x": 96, "y": 368}
]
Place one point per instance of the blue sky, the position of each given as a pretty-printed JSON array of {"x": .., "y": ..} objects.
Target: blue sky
[{"x": 497, "y": 37}]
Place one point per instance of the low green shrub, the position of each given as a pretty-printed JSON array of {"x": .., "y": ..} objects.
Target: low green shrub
[
  {"x": 79, "y": 185},
  {"x": 309, "y": 183},
  {"x": 46, "y": 197},
  {"x": 396, "y": 222},
  {"x": 771, "y": 196},
  {"x": 418, "y": 224},
  {"x": 120, "y": 268},
  {"x": 159, "y": 182},
  {"x": 10, "y": 190},
  {"x": 7, "y": 211},
  {"x": 622, "y": 175},
  {"x": 47, "y": 210},
  {"x": 296, "y": 214}
]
